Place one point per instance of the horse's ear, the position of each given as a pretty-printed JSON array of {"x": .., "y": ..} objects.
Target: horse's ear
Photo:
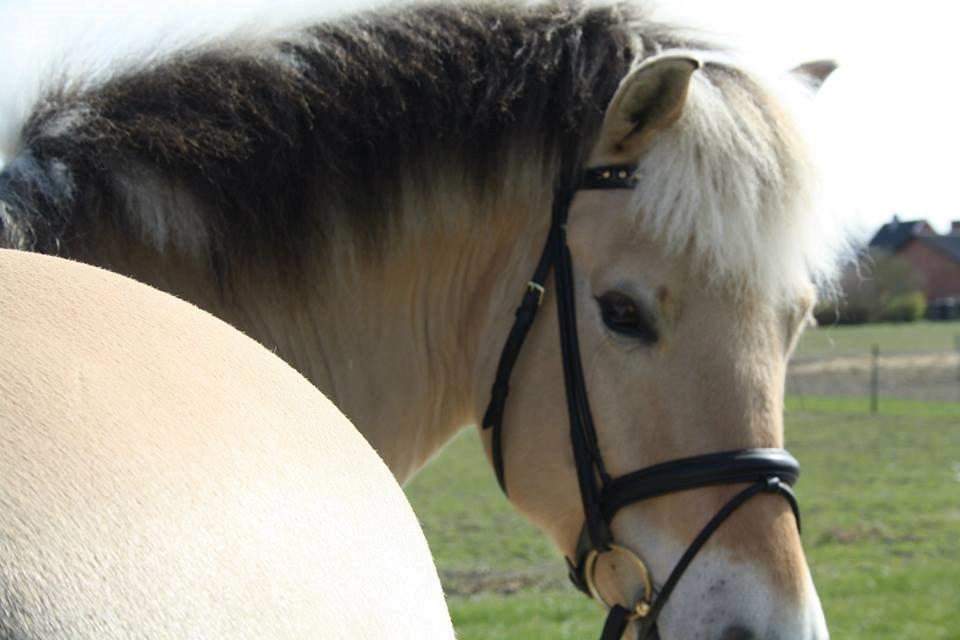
[
  {"x": 815, "y": 72},
  {"x": 649, "y": 98}
]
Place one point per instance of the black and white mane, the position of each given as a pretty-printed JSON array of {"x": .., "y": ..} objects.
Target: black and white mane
[
  {"x": 337, "y": 114},
  {"x": 267, "y": 148}
]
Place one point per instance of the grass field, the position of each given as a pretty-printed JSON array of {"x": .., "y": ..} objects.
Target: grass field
[
  {"x": 892, "y": 338},
  {"x": 919, "y": 361},
  {"x": 881, "y": 503}
]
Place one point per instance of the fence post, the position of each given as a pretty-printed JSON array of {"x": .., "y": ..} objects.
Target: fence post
[{"x": 875, "y": 379}]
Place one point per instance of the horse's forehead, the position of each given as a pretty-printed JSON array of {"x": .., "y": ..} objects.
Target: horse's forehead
[
  {"x": 605, "y": 236},
  {"x": 610, "y": 240}
]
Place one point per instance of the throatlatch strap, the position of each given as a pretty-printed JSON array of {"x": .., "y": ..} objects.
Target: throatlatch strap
[{"x": 525, "y": 315}]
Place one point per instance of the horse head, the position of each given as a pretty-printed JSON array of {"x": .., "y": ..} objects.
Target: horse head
[{"x": 682, "y": 285}]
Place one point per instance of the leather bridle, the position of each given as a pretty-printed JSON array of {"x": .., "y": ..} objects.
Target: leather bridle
[{"x": 765, "y": 470}]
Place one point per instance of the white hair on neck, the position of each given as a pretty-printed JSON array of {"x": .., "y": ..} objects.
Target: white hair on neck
[{"x": 735, "y": 182}]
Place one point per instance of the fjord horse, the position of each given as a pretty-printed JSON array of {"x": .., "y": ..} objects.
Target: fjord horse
[{"x": 368, "y": 198}]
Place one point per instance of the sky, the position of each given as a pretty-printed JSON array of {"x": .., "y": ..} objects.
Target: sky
[{"x": 888, "y": 117}]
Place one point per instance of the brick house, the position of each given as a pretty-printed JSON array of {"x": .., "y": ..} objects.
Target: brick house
[{"x": 934, "y": 255}]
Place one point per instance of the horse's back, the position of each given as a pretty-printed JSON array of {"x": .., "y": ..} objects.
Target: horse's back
[{"x": 165, "y": 476}]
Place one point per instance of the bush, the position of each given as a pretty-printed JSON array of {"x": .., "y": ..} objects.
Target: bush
[
  {"x": 907, "y": 307},
  {"x": 835, "y": 312},
  {"x": 881, "y": 288}
]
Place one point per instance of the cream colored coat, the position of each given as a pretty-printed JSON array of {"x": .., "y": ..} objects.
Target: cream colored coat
[{"x": 163, "y": 476}]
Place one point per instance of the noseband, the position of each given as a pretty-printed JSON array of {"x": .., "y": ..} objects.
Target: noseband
[{"x": 764, "y": 470}]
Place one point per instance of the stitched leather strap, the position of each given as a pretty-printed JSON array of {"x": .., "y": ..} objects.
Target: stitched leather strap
[
  {"x": 607, "y": 177},
  {"x": 591, "y": 474},
  {"x": 523, "y": 319},
  {"x": 618, "y": 616},
  {"x": 730, "y": 467},
  {"x": 768, "y": 485},
  {"x": 618, "y": 176},
  {"x": 616, "y": 624}
]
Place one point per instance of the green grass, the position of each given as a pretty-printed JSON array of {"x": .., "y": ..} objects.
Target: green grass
[
  {"x": 462, "y": 505},
  {"x": 880, "y": 495},
  {"x": 881, "y": 503},
  {"x": 858, "y": 340},
  {"x": 481, "y": 545},
  {"x": 885, "y": 406},
  {"x": 528, "y": 615}
]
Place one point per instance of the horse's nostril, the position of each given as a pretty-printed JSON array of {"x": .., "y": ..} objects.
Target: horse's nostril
[{"x": 737, "y": 633}]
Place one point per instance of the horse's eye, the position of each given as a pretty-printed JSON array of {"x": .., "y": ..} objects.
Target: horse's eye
[{"x": 625, "y": 316}]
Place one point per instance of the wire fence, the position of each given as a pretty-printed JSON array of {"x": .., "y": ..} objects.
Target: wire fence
[{"x": 932, "y": 376}]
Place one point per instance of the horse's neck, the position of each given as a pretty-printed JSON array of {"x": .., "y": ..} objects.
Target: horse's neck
[
  {"x": 407, "y": 349},
  {"x": 405, "y": 345}
]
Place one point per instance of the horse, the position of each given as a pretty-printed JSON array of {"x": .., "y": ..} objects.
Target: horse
[
  {"x": 165, "y": 476},
  {"x": 368, "y": 196}
]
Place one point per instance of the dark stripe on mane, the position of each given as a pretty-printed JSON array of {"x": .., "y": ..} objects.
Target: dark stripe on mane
[{"x": 276, "y": 141}]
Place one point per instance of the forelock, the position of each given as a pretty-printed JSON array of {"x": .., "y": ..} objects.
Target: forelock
[{"x": 734, "y": 183}]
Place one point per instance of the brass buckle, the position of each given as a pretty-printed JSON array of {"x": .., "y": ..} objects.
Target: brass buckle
[
  {"x": 539, "y": 288},
  {"x": 642, "y": 608}
]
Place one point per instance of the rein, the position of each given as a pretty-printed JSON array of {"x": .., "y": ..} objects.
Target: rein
[{"x": 765, "y": 470}]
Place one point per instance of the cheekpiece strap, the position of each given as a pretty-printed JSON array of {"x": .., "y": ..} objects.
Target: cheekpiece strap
[
  {"x": 608, "y": 177},
  {"x": 616, "y": 623}
]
